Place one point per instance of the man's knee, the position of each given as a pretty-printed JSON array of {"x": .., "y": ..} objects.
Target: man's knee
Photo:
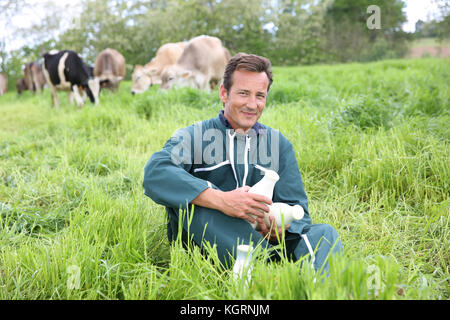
[
  {"x": 319, "y": 242},
  {"x": 329, "y": 234}
]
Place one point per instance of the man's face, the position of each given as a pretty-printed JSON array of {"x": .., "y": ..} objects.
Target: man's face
[{"x": 246, "y": 99}]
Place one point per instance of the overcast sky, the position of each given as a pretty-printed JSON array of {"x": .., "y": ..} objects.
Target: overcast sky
[
  {"x": 415, "y": 9},
  {"x": 424, "y": 10}
]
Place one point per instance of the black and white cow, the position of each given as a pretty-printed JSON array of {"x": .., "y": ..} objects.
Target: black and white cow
[{"x": 66, "y": 70}]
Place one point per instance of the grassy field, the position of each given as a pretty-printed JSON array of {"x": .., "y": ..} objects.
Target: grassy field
[{"x": 372, "y": 143}]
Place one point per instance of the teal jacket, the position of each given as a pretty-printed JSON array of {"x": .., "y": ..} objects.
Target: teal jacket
[{"x": 210, "y": 154}]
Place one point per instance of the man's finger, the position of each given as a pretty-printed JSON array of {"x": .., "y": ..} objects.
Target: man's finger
[
  {"x": 261, "y": 198},
  {"x": 256, "y": 212},
  {"x": 250, "y": 218},
  {"x": 261, "y": 206}
]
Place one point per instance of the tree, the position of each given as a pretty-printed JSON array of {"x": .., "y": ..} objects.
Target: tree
[
  {"x": 299, "y": 32},
  {"x": 349, "y": 38},
  {"x": 287, "y": 31}
]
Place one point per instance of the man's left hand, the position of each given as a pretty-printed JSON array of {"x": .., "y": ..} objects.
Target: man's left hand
[{"x": 272, "y": 233}]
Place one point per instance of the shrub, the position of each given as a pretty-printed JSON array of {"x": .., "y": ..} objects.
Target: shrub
[{"x": 363, "y": 112}]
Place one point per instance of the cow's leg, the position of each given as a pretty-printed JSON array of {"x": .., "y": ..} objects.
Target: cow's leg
[
  {"x": 78, "y": 98},
  {"x": 70, "y": 95},
  {"x": 203, "y": 82},
  {"x": 36, "y": 83},
  {"x": 55, "y": 102},
  {"x": 84, "y": 95}
]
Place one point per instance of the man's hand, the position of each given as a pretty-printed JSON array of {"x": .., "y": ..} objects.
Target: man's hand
[
  {"x": 241, "y": 204},
  {"x": 272, "y": 233},
  {"x": 236, "y": 203}
]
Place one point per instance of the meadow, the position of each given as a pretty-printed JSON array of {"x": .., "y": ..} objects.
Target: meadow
[{"x": 372, "y": 144}]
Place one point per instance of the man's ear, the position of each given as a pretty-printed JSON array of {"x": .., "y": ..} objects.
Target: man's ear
[{"x": 223, "y": 93}]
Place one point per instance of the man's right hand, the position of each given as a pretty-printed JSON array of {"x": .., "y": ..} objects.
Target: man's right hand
[{"x": 236, "y": 203}]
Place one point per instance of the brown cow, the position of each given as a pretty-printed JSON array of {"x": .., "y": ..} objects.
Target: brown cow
[
  {"x": 110, "y": 68},
  {"x": 145, "y": 76},
  {"x": 203, "y": 61},
  {"x": 34, "y": 77},
  {"x": 3, "y": 83}
]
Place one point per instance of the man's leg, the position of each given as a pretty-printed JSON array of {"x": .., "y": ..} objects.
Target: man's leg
[
  {"x": 320, "y": 241},
  {"x": 217, "y": 228}
]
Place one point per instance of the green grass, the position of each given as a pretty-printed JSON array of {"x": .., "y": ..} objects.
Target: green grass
[{"x": 372, "y": 143}]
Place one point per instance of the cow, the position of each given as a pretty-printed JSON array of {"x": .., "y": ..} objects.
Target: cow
[
  {"x": 145, "y": 76},
  {"x": 66, "y": 70},
  {"x": 3, "y": 83},
  {"x": 21, "y": 86},
  {"x": 34, "y": 77},
  {"x": 203, "y": 61},
  {"x": 110, "y": 68},
  {"x": 28, "y": 77}
]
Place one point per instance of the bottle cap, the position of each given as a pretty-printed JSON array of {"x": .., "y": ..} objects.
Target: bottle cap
[
  {"x": 298, "y": 212},
  {"x": 244, "y": 248}
]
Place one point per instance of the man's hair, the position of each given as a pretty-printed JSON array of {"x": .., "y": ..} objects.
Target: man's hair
[{"x": 250, "y": 62}]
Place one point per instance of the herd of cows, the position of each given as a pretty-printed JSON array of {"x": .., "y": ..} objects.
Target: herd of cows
[{"x": 197, "y": 63}]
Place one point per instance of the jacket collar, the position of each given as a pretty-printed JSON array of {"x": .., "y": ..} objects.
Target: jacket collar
[{"x": 257, "y": 127}]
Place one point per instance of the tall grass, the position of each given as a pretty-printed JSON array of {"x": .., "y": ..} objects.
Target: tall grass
[{"x": 372, "y": 143}]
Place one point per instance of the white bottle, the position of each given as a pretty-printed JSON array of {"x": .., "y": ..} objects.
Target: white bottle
[
  {"x": 242, "y": 268},
  {"x": 289, "y": 213},
  {"x": 265, "y": 187}
]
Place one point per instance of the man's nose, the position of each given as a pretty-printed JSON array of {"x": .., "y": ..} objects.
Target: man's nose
[{"x": 252, "y": 103}]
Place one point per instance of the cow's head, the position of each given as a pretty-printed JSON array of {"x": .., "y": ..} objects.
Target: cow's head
[
  {"x": 152, "y": 73},
  {"x": 175, "y": 76},
  {"x": 105, "y": 84},
  {"x": 92, "y": 89},
  {"x": 110, "y": 82},
  {"x": 141, "y": 80},
  {"x": 168, "y": 77}
]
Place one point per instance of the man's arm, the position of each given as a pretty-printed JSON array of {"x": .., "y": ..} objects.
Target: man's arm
[
  {"x": 167, "y": 180},
  {"x": 289, "y": 189},
  {"x": 240, "y": 204},
  {"x": 237, "y": 203}
]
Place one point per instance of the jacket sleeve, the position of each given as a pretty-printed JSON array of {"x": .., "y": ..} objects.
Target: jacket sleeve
[
  {"x": 167, "y": 180},
  {"x": 289, "y": 189}
]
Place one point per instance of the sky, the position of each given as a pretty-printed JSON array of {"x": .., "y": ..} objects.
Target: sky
[
  {"x": 418, "y": 10},
  {"x": 415, "y": 10}
]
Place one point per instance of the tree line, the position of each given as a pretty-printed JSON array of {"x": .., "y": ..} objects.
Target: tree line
[{"x": 289, "y": 32}]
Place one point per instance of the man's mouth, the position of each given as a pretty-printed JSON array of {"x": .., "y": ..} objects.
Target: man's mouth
[{"x": 249, "y": 114}]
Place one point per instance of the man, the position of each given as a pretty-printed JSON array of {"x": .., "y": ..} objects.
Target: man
[{"x": 207, "y": 168}]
